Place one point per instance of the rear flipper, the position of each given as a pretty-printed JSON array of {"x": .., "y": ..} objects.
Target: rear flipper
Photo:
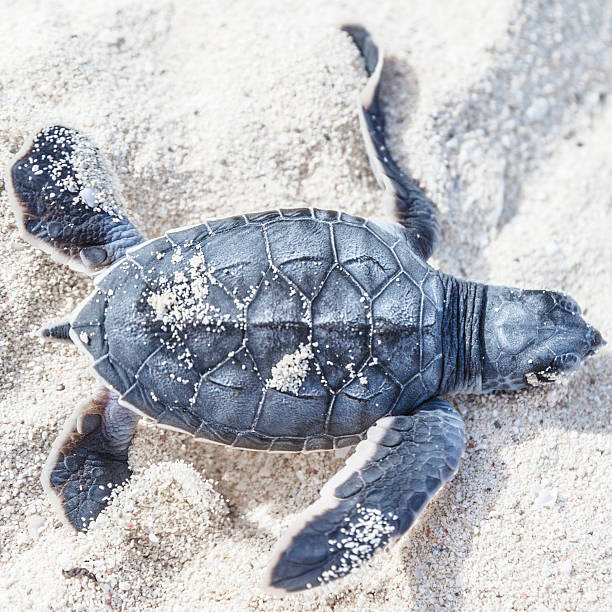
[
  {"x": 89, "y": 458},
  {"x": 414, "y": 211},
  {"x": 377, "y": 496},
  {"x": 65, "y": 203}
]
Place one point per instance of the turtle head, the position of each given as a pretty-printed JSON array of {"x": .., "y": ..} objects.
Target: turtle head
[{"x": 532, "y": 337}]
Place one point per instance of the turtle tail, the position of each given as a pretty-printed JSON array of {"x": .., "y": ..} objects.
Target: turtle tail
[{"x": 57, "y": 331}]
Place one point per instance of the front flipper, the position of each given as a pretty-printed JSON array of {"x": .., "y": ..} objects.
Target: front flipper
[
  {"x": 65, "y": 202},
  {"x": 414, "y": 211},
  {"x": 377, "y": 496},
  {"x": 89, "y": 458}
]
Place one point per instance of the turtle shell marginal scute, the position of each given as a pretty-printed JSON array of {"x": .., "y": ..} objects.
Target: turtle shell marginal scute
[{"x": 285, "y": 330}]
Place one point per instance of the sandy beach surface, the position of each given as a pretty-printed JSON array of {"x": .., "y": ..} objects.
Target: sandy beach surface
[{"x": 502, "y": 112}]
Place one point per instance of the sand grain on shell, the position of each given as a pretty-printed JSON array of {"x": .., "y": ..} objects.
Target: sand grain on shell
[{"x": 208, "y": 113}]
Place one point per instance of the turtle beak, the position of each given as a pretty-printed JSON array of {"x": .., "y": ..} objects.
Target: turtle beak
[{"x": 595, "y": 339}]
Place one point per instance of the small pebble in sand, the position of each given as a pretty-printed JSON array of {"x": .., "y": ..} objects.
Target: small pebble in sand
[
  {"x": 546, "y": 498},
  {"x": 35, "y": 524},
  {"x": 537, "y": 111},
  {"x": 566, "y": 568},
  {"x": 75, "y": 572}
]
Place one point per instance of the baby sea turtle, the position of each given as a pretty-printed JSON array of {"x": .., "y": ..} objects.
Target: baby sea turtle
[{"x": 288, "y": 330}]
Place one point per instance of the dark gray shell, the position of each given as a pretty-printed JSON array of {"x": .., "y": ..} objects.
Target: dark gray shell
[{"x": 288, "y": 330}]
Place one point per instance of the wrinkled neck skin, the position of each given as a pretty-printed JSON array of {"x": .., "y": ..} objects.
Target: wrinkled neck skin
[
  {"x": 504, "y": 338},
  {"x": 461, "y": 335}
]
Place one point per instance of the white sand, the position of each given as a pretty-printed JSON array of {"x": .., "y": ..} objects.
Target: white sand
[{"x": 499, "y": 109}]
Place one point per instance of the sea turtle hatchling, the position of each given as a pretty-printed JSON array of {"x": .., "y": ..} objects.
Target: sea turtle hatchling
[{"x": 287, "y": 330}]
